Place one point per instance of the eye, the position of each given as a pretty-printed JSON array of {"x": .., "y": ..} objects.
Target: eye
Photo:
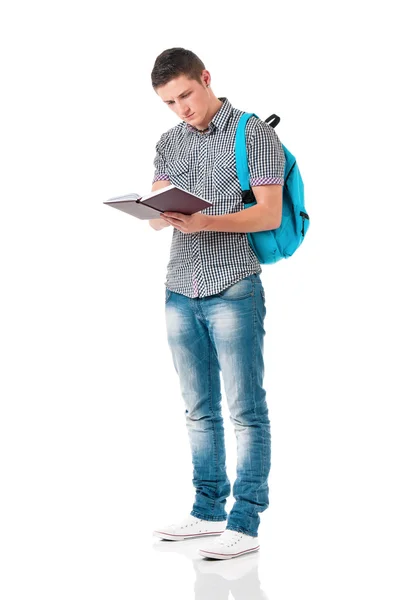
[{"x": 169, "y": 102}]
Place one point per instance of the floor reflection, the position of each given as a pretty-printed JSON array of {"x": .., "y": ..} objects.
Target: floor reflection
[{"x": 215, "y": 579}]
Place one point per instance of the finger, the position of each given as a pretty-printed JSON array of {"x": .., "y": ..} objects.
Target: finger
[
  {"x": 172, "y": 222},
  {"x": 175, "y": 215}
]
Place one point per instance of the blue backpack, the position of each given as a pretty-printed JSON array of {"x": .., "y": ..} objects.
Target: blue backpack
[{"x": 270, "y": 246}]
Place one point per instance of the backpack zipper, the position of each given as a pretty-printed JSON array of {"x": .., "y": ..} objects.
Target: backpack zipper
[{"x": 303, "y": 215}]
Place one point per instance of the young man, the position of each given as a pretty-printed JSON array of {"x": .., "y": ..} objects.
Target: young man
[{"x": 214, "y": 299}]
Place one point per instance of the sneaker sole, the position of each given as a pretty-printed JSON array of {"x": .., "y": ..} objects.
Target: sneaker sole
[
  {"x": 221, "y": 556},
  {"x": 171, "y": 536}
]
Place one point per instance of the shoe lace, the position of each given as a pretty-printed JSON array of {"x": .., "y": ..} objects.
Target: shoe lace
[
  {"x": 188, "y": 522},
  {"x": 230, "y": 537}
]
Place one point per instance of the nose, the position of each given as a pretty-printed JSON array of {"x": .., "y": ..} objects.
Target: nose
[{"x": 184, "y": 110}]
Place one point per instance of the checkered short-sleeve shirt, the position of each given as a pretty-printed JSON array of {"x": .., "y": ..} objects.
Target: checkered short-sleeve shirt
[{"x": 206, "y": 262}]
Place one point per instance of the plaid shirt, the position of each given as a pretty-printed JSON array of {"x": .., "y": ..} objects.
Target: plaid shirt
[{"x": 207, "y": 262}]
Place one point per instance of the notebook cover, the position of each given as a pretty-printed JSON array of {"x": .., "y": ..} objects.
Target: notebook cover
[{"x": 171, "y": 200}]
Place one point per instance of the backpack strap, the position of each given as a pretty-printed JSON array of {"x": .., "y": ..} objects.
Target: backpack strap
[
  {"x": 242, "y": 167},
  {"x": 273, "y": 120}
]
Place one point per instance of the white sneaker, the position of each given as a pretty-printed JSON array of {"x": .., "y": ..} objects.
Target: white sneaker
[
  {"x": 189, "y": 528},
  {"x": 229, "y": 545}
]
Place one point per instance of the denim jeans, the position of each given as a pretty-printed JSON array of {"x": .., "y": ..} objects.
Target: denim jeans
[{"x": 224, "y": 332}]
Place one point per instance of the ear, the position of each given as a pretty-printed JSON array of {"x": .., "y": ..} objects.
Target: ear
[{"x": 206, "y": 78}]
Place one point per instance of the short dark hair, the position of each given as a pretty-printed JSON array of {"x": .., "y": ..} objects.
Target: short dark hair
[{"x": 174, "y": 62}]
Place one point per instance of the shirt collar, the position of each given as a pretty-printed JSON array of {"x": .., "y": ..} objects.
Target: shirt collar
[{"x": 219, "y": 120}]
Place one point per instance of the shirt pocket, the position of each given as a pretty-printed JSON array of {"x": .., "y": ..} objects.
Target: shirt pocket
[
  {"x": 224, "y": 176},
  {"x": 179, "y": 173}
]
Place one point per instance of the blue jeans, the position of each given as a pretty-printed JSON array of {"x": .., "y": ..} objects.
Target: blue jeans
[{"x": 224, "y": 332}]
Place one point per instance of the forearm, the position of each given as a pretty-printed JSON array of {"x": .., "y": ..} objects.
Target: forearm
[{"x": 245, "y": 221}]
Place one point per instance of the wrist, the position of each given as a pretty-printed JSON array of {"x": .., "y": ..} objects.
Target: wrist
[{"x": 207, "y": 222}]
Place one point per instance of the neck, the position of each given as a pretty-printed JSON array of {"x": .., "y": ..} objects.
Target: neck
[{"x": 213, "y": 109}]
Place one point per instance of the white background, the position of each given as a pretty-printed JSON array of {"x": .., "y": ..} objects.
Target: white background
[{"x": 94, "y": 451}]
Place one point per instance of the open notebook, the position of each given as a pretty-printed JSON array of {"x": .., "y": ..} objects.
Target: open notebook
[{"x": 150, "y": 206}]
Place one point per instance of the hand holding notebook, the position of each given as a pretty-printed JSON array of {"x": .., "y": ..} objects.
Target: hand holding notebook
[{"x": 166, "y": 199}]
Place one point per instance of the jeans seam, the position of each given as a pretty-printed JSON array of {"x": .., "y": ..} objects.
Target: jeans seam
[
  {"x": 267, "y": 415},
  {"x": 212, "y": 410},
  {"x": 254, "y": 337},
  {"x": 254, "y": 395},
  {"x": 253, "y": 351}
]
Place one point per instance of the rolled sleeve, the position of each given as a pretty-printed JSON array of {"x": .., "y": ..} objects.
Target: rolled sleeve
[
  {"x": 266, "y": 158},
  {"x": 160, "y": 163}
]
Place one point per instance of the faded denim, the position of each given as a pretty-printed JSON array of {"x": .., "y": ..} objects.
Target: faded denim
[{"x": 224, "y": 333}]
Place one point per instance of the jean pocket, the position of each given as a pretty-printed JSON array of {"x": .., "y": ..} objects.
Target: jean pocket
[
  {"x": 238, "y": 291},
  {"x": 167, "y": 295}
]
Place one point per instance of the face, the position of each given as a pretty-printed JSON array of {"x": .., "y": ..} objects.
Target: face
[{"x": 187, "y": 98}]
